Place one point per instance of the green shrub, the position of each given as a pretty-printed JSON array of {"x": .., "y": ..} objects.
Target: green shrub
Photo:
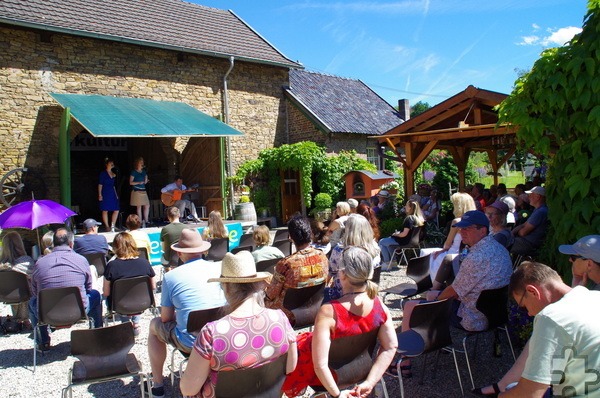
[
  {"x": 244, "y": 199},
  {"x": 323, "y": 201},
  {"x": 388, "y": 227}
]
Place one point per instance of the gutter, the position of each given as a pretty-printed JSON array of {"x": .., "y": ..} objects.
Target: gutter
[{"x": 226, "y": 120}]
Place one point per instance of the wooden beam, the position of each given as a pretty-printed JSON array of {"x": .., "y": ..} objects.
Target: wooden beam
[{"x": 423, "y": 154}]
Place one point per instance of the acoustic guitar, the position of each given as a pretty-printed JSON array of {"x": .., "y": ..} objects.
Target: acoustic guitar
[{"x": 169, "y": 198}]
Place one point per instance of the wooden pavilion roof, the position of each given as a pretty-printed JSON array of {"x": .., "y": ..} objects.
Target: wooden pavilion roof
[{"x": 461, "y": 124}]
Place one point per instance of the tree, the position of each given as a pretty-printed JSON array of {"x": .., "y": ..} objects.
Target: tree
[
  {"x": 419, "y": 108},
  {"x": 556, "y": 107}
]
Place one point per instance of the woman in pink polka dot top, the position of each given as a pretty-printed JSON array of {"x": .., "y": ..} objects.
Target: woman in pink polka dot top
[{"x": 250, "y": 335}]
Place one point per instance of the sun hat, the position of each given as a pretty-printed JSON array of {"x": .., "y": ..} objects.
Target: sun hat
[
  {"x": 90, "y": 223},
  {"x": 538, "y": 190},
  {"x": 500, "y": 206},
  {"x": 473, "y": 217},
  {"x": 190, "y": 242},
  {"x": 240, "y": 268},
  {"x": 383, "y": 193},
  {"x": 586, "y": 247}
]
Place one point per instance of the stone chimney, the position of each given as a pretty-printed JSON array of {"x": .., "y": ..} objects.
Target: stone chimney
[{"x": 404, "y": 109}]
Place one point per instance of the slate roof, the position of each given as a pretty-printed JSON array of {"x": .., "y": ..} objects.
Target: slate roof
[
  {"x": 341, "y": 105},
  {"x": 171, "y": 24}
]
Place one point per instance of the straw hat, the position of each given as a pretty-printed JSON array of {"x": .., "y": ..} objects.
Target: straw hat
[
  {"x": 190, "y": 242},
  {"x": 240, "y": 268}
]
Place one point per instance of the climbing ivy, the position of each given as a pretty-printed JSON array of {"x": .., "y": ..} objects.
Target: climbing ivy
[
  {"x": 316, "y": 168},
  {"x": 556, "y": 107}
]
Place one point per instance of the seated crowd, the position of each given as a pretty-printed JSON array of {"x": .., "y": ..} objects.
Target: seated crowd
[{"x": 254, "y": 327}]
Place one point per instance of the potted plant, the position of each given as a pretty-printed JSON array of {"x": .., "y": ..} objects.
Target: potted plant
[
  {"x": 322, "y": 209},
  {"x": 261, "y": 199}
]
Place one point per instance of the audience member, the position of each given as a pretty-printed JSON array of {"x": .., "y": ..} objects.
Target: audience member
[
  {"x": 358, "y": 233},
  {"x": 477, "y": 194},
  {"x": 320, "y": 237},
  {"x": 496, "y": 213},
  {"x": 47, "y": 242},
  {"x": 141, "y": 238},
  {"x": 353, "y": 204},
  {"x": 91, "y": 242},
  {"x": 431, "y": 208},
  {"x": 264, "y": 251},
  {"x": 529, "y": 236},
  {"x": 306, "y": 267},
  {"x": 63, "y": 268},
  {"x": 509, "y": 200},
  {"x": 215, "y": 228},
  {"x": 374, "y": 204},
  {"x": 412, "y": 225},
  {"x": 563, "y": 349},
  {"x": 127, "y": 264},
  {"x": 267, "y": 333},
  {"x": 336, "y": 227},
  {"x": 184, "y": 289},
  {"x": 14, "y": 257},
  {"x": 358, "y": 311},
  {"x": 169, "y": 235},
  {"x": 368, "y": 213}
]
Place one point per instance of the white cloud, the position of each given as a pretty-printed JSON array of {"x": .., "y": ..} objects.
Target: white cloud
[
  {"x": 556, "y": 37},
  {"x": 535, "y": 26}
]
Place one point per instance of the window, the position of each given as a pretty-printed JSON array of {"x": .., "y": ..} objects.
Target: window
[{"x": 373, "y": 157}]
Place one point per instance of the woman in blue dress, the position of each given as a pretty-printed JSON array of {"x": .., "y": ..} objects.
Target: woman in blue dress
[
  {"x": 107, "y": 195},
  {"x": 139, "y": 197}
]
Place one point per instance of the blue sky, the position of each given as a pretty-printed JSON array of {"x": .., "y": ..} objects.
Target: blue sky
[{"x": 423, "y": 50}]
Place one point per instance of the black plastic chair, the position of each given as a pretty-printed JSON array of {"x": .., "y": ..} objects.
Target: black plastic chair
[
  {"x": 267, "y": 265},
  {"x": 284, "y": 245},
  {"x": 492, "y": 303},
  {"x": 414, "y": 245},
  {"x": 143, "y": 253},
  {"x": 263, "y": 381},
  {"x": 14, "y": 287},
  {"x": 247, "y": 240},
  {"x": 196, "y": 321},
  {"x": 103, "y": 355},
  {"x": 429, "y": 332},
  {"x": 351, "y": 359},
  {"x": 60, "y": 307},
  {"x": 218, "y": 248},
  {"x": 131, "y": 296},
  {"x": 418, "y": 271},
  {"x": 98, "y": 260},
  {"x": 376, "y": 274},
  {"x": 241, "y": 248},
  {"x": 281, "y": 234},
  {"x": 304, "y": 303}
]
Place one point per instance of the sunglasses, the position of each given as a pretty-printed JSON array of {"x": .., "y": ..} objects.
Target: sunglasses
[
  {"x": 575, "y": 257},
  {"x": 520, "y": 303}
]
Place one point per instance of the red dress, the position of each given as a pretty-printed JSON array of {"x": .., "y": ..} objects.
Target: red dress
[{"x": 347, "y": 324}]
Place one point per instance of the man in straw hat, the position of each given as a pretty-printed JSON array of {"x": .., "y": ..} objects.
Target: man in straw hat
[{"x": 184, "y": 289}]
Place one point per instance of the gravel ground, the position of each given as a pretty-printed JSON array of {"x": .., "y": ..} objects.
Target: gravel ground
[{"x": 18, "y": 380}]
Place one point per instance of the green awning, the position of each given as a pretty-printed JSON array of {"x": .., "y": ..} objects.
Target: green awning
[{"x": 105, "y": 116}]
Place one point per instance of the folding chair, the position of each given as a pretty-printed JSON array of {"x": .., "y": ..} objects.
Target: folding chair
[
  {"x": 14, "y": 287},
  {"x": 98, "y": 260},
  {"x": 240, "y": 248},
  {"x": 418, "y": 270},
  {"x": 351, "y": 359},
  {"x": 143, "y": 253},
  {"x": 429, "y": 331},
  {"x": 131, "y": 296},
  {"x": 104, "y": 355},
  {"x": 263, "y": 381},
  {"x": 492, "y": 303},
  {"x": 267, "y": 265},
  {"x": 376, "y": 275},
  {"x": 247, "y": 240},
  {"x": 196, "y": 321},
  {"x": 414, "y": 245},
  {"x": 218, "y": 248},
  {"x": 60, "y": 307},
  {"x": 304, "y": 303},
  {"x": 284, "y": 245},
  {"x": 281, "y": 234}
]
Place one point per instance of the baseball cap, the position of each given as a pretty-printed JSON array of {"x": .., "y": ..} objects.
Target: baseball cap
[
  {"x": 473, "y": 217},
  {"x": 383, "y": 193},
  {"x": 586, "y": 247},
  {"x": 500, "y": 206},
  {"x": 538, "y": 190},
  {"x": 90, "y": 223}
]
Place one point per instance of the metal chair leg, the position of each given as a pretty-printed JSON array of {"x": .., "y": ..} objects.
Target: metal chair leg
[
  {"x": 512, "y": 350},
  {"x": 462, "y": 391},
  {"x": 467, "y": 359}
]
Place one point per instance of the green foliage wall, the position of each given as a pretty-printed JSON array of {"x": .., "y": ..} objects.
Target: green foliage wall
[{"x": 557, "y": 108}]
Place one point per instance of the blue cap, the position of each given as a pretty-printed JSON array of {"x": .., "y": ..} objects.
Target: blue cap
[
  {"x": 473, "y": 217},
  {"x": 586, "y": 247}
]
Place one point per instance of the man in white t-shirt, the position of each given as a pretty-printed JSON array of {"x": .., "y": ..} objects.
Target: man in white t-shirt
[{"x": 564, "y": 347}]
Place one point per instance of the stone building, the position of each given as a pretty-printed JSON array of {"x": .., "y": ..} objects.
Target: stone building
[
  {"x": 339, "y": 113},
  {"x": 161, "y": 50}
]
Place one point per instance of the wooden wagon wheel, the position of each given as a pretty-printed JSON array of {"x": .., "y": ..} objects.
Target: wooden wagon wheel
[{"x": 19, "y": 184}]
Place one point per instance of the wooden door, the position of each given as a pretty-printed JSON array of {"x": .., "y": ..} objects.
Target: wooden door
[{"x": 291, "y": 201}]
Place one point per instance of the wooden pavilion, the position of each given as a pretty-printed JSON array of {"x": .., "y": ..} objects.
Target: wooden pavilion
[{"x": 464, "y": 123}]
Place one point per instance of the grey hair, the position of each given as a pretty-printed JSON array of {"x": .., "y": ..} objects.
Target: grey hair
[
  {"x": 357, "y": 264},
  {"x": 359, "y": 233},
  {"x": 342, "y": 208}
]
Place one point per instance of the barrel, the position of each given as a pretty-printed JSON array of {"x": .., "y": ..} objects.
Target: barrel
[{"x": 245, "y": 212}]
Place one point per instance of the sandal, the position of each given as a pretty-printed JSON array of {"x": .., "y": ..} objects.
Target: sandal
[
  {"x": 405, "y": 370},
  {"x": 479, "y": 391}
]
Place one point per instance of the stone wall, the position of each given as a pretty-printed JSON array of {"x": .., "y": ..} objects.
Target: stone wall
[{"x": 31, "y": 67}]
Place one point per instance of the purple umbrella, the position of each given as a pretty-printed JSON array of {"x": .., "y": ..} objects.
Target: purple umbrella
[{"x": 34, "y": 213}]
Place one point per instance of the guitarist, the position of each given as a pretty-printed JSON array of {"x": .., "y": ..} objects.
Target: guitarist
[{"x": 177, "y": 190}]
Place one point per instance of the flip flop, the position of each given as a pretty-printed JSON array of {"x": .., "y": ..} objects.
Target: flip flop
[{"x": 479, "y": 391}]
